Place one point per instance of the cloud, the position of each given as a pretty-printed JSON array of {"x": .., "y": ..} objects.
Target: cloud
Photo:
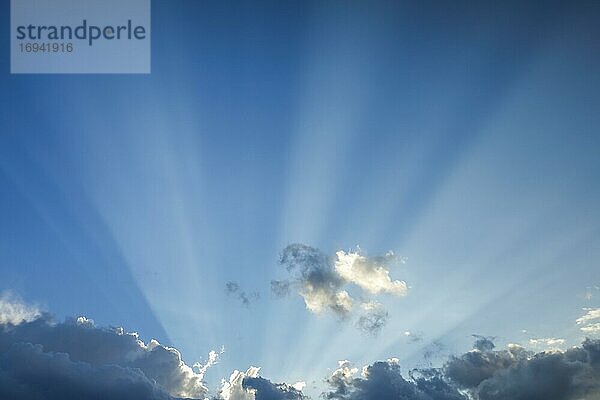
[
  {"x": 432, "y": 350},
  {"x": 483, "y": 343},
  {"x": 233, "y": 388},
  {"x": 213, "y": 358},
  {"x": 413, "y": 337},
  {"x": 341, "y": 381},
  {"x": 280, "y": 289},
  {"x": 549, "y": 343},
  {"x": 325, "y": 283},
  {"x": 233, "y": 288},
  {"x": 470, "y": 369},
  {"x": 28, "y": 372},
  {"x": 250, "y": 386},
  {"x": 13, "y": 311},
  {"x": 383, "y": 380},
  {"x": 518, "y": 374},
  {"x": 591, "y": 315},
  {"x": 374, "y": 318},
  {"x": 545, "y": 377},
  {"x": 299, "y": 385},
  {"x": 591, "y": 328},
  {"x": 266, "y": 390},
  {"x": 46, "y": 360},
  {"x": 316, "y": 280},
  {"x": 369, "y": 273},
  {"x": 482, "y": 373}
]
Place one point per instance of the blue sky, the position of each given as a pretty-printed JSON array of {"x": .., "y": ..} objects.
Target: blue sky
[{"x": 462, "y": 136}]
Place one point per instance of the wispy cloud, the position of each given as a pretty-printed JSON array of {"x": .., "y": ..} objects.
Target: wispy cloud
[
  {"x": 373, "y": 322},
  {"x": 246, "y": 298}
]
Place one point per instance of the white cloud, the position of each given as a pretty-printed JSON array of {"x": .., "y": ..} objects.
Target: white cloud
[
  {"x": 592, "y": 314},
  {"x": 343, "y": 300},
  {"x": 319, "y": 299},
  {"x": 551, "y": 343},
  {"x": 213, "y": 358},
  {"x": 13, "y": 311},
  {"x": 344, "y": 373},
  {"x": 86, "y": 322},
  {"x": 369, "y": 274},
  {"x": 299, "y": 385},
  {"x": 233, "y": 388},
  {"x": 591, "y": 328}
]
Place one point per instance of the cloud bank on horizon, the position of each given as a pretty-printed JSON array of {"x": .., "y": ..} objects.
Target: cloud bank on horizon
[{"x": 48, "y": 360}]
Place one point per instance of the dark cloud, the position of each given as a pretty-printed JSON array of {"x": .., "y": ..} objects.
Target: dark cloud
[
  {"x": 470, "y": 369},
  {"x": 304, "y": 258},
  {"x": 592, "y": 350},
  {"x": 383, "y": 380},
  {"x": 46, "y": 360},
  {"x": 434, "y": 386},
  {"x": 483, "y": 343},
  {"x": 518, "y": 374},
  {"x": 545, "y": 376},
  {"x": 28, "y": 372},
  {"x": 233, "y": 288},
  {"x": 266, "y": 390},
  {"x": 482, "y": 373}
]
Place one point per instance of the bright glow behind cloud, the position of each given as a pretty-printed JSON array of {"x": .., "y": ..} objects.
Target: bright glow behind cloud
[
  {"x": 369, "y": 273},
  {"x": 233, "y": 389}
]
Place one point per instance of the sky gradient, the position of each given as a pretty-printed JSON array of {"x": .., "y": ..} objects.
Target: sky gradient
[{"x": 461, "y": 136}]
